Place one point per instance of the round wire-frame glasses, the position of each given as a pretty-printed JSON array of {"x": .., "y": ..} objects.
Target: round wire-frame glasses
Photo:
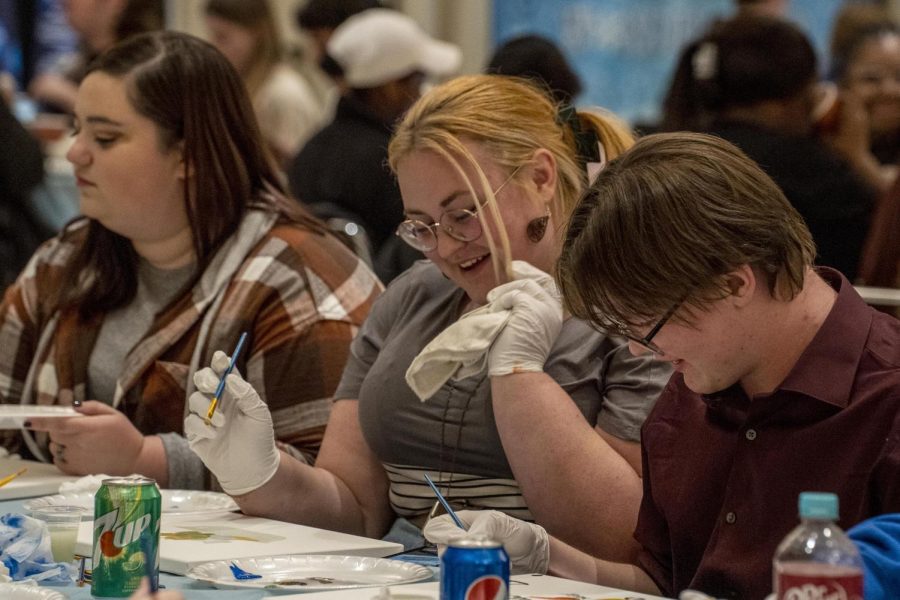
[{"x": 461, "y": 224}]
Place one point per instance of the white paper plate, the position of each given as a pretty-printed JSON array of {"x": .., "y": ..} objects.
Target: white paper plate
[
  {"x": 181, "y": 502},
  {"x": 12, "y": 416},
  {"x": 24, "y": 591},
  {"x": 310, "y": 572}
]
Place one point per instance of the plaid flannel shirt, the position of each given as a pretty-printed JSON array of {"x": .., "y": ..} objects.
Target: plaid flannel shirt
[{"x": 301, "y": 296}]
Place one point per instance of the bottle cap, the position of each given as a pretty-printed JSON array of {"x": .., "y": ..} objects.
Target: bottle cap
[{"x": 818, "y": 505}]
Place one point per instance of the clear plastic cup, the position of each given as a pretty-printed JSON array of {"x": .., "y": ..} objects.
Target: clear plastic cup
[{"x": 62, "y": 523}]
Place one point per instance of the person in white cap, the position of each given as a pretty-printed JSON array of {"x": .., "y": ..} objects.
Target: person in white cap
[{"x": 383, "y": 57}]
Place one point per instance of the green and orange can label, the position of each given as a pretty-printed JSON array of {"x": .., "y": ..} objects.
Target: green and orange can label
[{"x": 126, "y": 535}]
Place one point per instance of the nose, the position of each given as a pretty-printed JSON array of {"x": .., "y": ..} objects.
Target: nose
[{"x": 78, "y": 154}]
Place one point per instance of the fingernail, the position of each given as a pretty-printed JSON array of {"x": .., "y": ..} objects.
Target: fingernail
[
  {"x": 76, "y": 403},
  {"x": 26, "y": 424}
]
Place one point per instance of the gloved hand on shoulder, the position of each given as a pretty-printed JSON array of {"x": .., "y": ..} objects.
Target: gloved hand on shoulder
[{"x": 536, "y": 318}]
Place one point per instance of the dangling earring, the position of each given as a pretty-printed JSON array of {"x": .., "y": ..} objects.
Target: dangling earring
[{"x": 537, "y": 228}]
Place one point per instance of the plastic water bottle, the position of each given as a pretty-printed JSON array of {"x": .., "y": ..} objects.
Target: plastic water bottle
[{"x": 817, "y": 561}]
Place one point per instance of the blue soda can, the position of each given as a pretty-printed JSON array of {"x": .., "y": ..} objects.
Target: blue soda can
[{"x": 475, "y": 569}]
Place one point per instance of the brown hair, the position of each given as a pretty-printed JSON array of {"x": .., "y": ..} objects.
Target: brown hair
[
  {"x": 741, "y": 61},
  {"x": 256, "y": 16},
  {"x": 664, "y": 225},
  {"x": 196, "y": 98},
  {"x": 510, "y": 118},
  {"x": 140, "y": 16}
]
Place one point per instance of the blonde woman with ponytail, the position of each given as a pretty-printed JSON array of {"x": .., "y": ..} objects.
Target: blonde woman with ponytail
[{"x": 489, "y": 169}]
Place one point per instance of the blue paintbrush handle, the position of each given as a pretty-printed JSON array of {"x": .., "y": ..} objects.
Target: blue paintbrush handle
[
  {"x": 445, "y": 504},
  {"x": 234, "y": 357}
]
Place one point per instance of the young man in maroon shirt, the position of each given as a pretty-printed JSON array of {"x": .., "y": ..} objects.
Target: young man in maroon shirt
[{"x": 785, "y": 380}]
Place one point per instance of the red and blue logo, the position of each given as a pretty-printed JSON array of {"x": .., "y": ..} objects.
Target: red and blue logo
[{"x": 489, "y": 587}]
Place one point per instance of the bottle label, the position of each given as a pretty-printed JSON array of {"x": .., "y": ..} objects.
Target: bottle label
[{"x": 806, "y": 587}]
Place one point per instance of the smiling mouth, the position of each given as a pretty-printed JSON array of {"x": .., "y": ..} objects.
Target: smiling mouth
[{"x": 469, "y": 264}]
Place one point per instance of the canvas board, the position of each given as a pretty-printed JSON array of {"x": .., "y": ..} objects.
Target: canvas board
[
  {"x": 39, "y": 480},
  {"x": 186, "y": 541}
]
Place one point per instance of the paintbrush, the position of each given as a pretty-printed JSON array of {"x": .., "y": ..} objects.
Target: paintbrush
[{"x": 221, "y": 387}]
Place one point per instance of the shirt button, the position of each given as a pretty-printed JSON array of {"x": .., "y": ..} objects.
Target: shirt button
[
  {"x": 750, "y": 434},
  {"x": 730, "y": 518}
]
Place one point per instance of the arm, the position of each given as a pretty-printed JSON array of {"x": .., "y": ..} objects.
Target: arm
[
  {"x": 852, "y": 141},
  {"x": 531, "y": 550},
  {"x": 570, "y": 563},
  {"x": 563, "y": 456},
  {"x": 347, "y": 490}
]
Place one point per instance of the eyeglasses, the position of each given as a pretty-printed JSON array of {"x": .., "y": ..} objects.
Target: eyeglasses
[
  {"x": 646, "y": 341},
  {"x": 461, "y": 224}
]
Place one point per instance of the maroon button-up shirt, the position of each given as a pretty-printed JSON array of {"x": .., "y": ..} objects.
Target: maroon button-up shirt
[{"x": 722, "y": 473}]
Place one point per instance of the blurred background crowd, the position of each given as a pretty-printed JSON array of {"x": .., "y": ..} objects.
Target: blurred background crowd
[{"x": 810, "y": 89}]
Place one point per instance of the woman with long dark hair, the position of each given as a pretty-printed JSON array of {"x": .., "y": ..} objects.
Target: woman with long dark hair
[{"x": 187, "y": 241}]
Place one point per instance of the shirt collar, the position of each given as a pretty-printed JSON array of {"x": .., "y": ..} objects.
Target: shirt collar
[{"x": 827, "y": 367}]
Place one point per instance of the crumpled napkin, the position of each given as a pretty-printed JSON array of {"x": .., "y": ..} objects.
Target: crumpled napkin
[
  {"x": 461, "y": 349},
  {"x": 25, "y": 552},
  {"x": 88, "y": 483}
]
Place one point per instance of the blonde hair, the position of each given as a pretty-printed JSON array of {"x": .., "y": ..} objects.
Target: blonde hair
[{"x": 510, "y": 118}]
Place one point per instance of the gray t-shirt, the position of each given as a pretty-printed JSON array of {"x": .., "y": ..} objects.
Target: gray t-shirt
[{"x": 612, "y": 388}]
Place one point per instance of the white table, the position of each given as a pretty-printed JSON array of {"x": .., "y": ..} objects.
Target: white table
[{"x": 524, "y": 586}]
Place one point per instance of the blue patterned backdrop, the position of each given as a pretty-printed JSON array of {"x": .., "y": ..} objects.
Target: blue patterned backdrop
[{"x": 625, "y": 50}]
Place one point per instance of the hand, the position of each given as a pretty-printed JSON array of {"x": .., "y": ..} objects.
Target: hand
[
  {"x": 238, "y": 445},
  {"x": 103, "y": 441},
  {"x": 535, "y": 322},
  {"x": 143, "y": 593},
  {"x": 851, "y": 138},
  {"x": 527, "y": 544}
]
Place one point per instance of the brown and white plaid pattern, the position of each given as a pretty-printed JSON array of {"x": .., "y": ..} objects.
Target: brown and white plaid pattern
[{"x": 301, "y": 296}]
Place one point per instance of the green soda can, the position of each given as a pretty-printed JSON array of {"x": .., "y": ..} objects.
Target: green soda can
[{"x": 126, "y": 535}]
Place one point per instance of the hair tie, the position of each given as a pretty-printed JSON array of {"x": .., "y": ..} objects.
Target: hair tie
[{"x": 587, "y": 143}]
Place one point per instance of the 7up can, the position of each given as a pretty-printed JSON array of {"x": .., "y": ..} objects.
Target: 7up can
[{"x": 126, "y": 535}]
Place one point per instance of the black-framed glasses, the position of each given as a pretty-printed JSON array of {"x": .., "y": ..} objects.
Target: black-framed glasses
[
  {"x": 461, "y": 224},
  {"x": 647, "y": 340}
]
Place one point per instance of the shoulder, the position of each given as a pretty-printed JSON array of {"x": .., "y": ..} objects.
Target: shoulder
[
  {"x": 291, "y": 256},
  {"x": 285, "y": 83},
  {"x": 884, "y": 341},
  {"x": 422, "y": 289}
]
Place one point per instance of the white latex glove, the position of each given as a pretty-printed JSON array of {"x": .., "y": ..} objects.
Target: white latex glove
[
  {"x": 238, "y": 445},
  {"x": 535, "y": 322},
  {"x": 527, "y": 544}
]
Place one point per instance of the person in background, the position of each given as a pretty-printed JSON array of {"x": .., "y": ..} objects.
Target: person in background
[
  {"x": 537, "y": 58},
  {"x": 384, "y": 57},
  {"x": 753, "y": 81},
  {"x": 489, "y": 171},
  {"x": 187, "y": 240},
  {"x": 878, "y": 541},
  {"x": 286, "y": 106},
  {"x": 100, "y": 24},
  {"x": 319, "y": 19},
  {"x": 785, "y": 380},
  {"x": 866, "y": 65},
  {"x": 20, "y": 171}
]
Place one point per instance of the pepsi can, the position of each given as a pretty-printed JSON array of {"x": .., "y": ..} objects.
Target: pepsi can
[{"x": 475, "y": 569}]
